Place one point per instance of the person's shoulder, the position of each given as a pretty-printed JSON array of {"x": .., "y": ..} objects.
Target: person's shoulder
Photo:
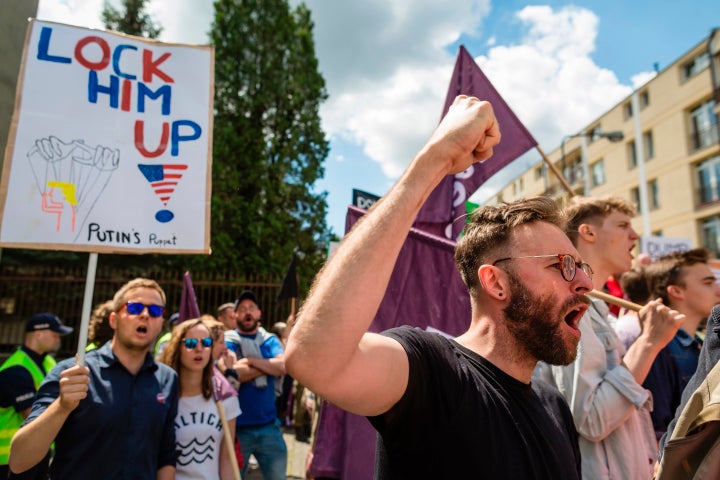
[
  {"x": 232, "y": 336},
  {"x": 165, "y": 370},
  {"x": 408, "y": 331},
  {"x": 548, "y": 394},
  {"x": 420, "y": 340}
]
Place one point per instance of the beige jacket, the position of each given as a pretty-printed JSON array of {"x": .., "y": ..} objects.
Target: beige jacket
[{"x": 693, "y": 450}]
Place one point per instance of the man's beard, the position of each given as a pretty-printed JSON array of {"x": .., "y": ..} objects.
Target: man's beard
[
  {"x": 532, "y": 321},
  {"x": 245, "y": 327}
]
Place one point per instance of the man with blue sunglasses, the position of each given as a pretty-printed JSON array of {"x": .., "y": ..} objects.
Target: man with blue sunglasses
[{"x": 113, "y": 417}]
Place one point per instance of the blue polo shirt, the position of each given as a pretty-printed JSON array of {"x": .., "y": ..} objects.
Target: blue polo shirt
[
  {"x": 123, "y": 429},
  {"x": 670, "y": 372}
]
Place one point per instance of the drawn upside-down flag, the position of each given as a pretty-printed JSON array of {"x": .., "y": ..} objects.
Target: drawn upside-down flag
[{"x": 440, "y": 213}]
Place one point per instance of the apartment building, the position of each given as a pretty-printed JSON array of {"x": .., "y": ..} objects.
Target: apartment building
[{"x": 678, "y": 123}]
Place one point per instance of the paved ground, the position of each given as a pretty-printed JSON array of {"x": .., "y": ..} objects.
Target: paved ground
[{"x": 297, "y": 453}]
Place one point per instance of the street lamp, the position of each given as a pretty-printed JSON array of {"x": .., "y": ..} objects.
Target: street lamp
[{"x": 614, "y": 136}]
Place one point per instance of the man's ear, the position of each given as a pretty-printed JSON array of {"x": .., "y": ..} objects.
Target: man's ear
[
  {"x": 587, "y": 232},
  {"x": 112, "y": 320},
  {"x": 675, "y": 292},
  {"x": 493, "y": 281}
]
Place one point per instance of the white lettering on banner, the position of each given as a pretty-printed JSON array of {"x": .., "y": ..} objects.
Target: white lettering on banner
[
  {"x": 656, "y": 247},
  {"x": 365, "y": 203},
  {"x": 465, "y": 174},
  {"x": 459, "y": 194}
]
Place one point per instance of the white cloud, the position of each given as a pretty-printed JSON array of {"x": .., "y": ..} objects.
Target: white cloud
[
  {"x": 387, "y": 95},
  {"x": 640, "y": 79},
  {"x": 387, "y": 74},
  {"x": 83, "y": 13},
  {"x": 387, "y": 67},
  {"x": 184, "y": 21}
]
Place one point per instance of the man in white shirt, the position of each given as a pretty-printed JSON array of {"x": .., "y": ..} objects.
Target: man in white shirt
[{"x": 603, "y": 386}]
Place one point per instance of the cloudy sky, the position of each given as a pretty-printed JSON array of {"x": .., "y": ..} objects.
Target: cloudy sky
[{"x": 387, "y": 65}]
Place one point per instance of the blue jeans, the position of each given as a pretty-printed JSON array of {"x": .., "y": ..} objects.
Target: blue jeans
[{"x": 267, "y": 444}]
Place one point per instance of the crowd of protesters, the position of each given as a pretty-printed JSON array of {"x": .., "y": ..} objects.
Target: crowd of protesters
[{"x": 546, "y": 382}]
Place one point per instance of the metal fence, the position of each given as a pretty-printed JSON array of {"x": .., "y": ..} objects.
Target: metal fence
[{"x": 28, "y": 290}]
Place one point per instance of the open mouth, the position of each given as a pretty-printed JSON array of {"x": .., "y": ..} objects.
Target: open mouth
[
  {"x": 142, "y": 329},
  {"x": 572, "y": 318}
]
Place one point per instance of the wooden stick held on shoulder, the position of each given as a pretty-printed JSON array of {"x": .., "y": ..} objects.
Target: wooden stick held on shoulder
[{"x": 615, "y": 300}]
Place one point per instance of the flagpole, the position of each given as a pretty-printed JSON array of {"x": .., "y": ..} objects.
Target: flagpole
[
  {"x": 557, "y": 173},
  {"x": 620, "y": 302},
  {"x": 228, "y": 439},
  {"x": 87, "y": 306}
]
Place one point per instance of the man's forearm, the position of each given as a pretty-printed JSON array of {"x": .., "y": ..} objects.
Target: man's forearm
[
  {"x": 269, "y": 366},
  {"x": 337, "y": 313},
  {"x": 640, "y": 357},
  {"x": 32, "y": 442}
]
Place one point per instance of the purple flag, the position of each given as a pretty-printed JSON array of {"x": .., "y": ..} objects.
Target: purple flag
[
  {"x": 188, "y": 302},
  {"x": 426, "y": 291},
  {"x": 439, "y": 215},
  {"x": 222, "y": 388}
]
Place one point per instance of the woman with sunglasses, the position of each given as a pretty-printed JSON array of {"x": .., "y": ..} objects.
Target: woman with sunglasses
[{"x": 202, "y": 453}]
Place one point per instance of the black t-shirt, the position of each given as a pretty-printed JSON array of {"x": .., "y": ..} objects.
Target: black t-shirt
[{"x": 462, "y": 417}]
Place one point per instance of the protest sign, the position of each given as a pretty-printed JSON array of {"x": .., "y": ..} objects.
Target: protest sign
[
  {"x": 656, "y": 247},
  {"x": 110, "y": 146}
]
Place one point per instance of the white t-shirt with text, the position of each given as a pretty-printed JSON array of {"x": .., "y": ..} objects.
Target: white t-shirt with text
[{"x": 199, "y": 435}]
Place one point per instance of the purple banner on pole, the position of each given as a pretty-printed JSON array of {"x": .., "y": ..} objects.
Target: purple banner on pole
[
  {"x": 188, "y": 302},
  {"x": 440, "y": 213},
  {"x": 426, "y": 291}
]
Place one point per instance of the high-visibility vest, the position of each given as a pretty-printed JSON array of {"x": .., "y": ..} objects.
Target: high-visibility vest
[
  {"x": 161, "y": 342},
  {"x": 10, "y": 419}
]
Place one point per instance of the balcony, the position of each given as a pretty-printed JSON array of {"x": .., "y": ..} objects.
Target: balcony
[
  {"x": 704, "y": 137},
  {"x": 707, "y": 195}
]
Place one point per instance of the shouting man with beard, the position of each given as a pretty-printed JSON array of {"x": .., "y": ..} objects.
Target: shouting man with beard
[
  {"x": 444, "y": 408},
  {"x": 260, "y": 361},
  {"x": 603, "y": 386}
]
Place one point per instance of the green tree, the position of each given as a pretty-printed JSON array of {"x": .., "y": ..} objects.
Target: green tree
[
  {"x": 268, "y": 147},
  {"x": 133, "y": 21}
]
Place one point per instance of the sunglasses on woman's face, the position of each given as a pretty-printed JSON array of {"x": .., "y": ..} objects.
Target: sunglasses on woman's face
[{"x": 191, "y": 343}]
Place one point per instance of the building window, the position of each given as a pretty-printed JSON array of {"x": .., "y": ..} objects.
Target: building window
[
  {"x": 598, "y": 173},
  {"x": 594, "y": 133},
  {"x": 653, "y": 195},
  {"x": 517, "y": 186},
  {"x": 696, "y": 65},
  {"x": 703, "y": 125},
  {"x": 632, "y": 157},
  {"x": 644, "y": 99},
  {"x": 711, "y": 234},
  {"x": 572, "y": 171},
  {"x": 708, "y": 176},
  {"x": 627, "y": 110},
  {"x": 649, "y": 146},
  {"x": 539, "y": 172}
]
